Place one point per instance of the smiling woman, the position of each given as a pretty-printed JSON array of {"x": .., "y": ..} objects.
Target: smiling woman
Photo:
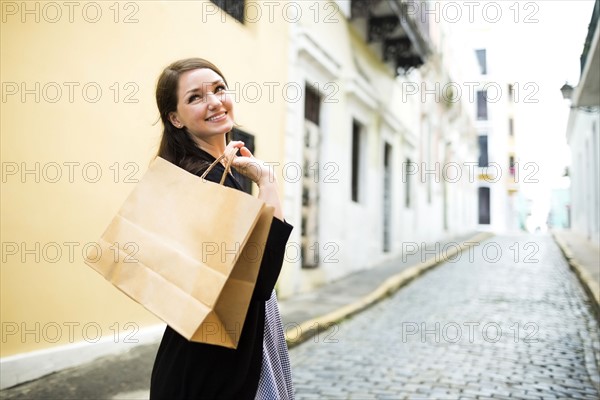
[
  {"x": 197, "y": 115},
  {"x": 205, "y": 110}
]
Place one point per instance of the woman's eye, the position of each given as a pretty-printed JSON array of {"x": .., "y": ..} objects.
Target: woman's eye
[
  {"x": 193, "y": 98},
  {"x": 220, "y": 88}
]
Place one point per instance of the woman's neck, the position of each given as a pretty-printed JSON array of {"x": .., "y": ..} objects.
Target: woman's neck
[{"x": 214, "y": 147}]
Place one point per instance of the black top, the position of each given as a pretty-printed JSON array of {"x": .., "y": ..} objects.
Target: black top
[{"x": 190, "y": 370}]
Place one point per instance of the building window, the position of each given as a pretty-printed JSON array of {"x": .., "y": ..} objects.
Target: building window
[
  {"x": 482, "y": 59},
  {"x": 235, "y": 8},
  {"x": 312, "y": 104},
  {"x": 310, "y": 182},
  {"x": 248, "y": 139},
  {"x": 482, "y": 109},
  {"x": 387, "y": 197},
  {"x": 407, "y": 168},
  {"x": 356, "y": 161},
  {"x": 511, "y": 165},
  {"x": 483, "y": 151},
  {"x": 484, "y": 205},
  {"x": 511, "y": 127}
]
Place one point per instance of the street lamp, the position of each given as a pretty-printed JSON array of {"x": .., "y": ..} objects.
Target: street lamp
[{"x": 567, "y": 91}]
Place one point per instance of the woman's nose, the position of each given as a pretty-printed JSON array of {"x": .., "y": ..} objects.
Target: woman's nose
[{"x": 212, "y": 99}]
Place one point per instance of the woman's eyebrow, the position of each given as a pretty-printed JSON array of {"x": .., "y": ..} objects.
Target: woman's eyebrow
[{"x": 205, "y": 85}]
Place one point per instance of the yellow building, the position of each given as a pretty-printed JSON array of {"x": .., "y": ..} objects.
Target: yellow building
[{"x": 78, "y": 129}]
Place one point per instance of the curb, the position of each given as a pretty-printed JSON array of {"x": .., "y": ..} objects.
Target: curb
[
  {"x": 306, "y": 330},
  {"x": 589, "y": 284}
]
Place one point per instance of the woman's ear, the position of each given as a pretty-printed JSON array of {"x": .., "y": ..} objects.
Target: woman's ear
[{"x": 174, "y": 120}]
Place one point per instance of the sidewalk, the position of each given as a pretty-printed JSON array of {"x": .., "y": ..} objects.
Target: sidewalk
[
  {"x": 127, "y": 375},
  {"x": 584, "y": 258}
]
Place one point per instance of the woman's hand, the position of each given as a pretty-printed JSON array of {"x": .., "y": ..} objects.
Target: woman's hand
[
  {"x": 253, "y": 168},
  {"x": 257, "y": 171}
]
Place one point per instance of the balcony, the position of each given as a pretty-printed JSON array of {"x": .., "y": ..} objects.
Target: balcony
[{"x": 396, "y": 29}]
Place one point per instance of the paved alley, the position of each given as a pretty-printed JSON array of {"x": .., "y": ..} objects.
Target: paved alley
[{"x": 508, "y": 319}]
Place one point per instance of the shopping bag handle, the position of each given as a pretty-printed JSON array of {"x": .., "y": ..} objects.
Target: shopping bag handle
[{"x": 211, "y": 166}]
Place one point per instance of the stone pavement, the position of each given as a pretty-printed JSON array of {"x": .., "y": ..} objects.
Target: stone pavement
[
  {"x": 511, "y": 322},
  {"x": 305, "y": 314},
  {"x": 584, "y": 258},
  {"x": 525, "y": 301}
]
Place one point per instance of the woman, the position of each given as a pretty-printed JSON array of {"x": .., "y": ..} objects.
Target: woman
[{"x": 197, "y": 114}]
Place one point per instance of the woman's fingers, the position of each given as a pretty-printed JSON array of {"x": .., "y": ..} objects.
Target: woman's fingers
[
  {"x": 230, "y": 151},
  {"x": 244, "y": 151},
  {"x": 234, "y": 145}
]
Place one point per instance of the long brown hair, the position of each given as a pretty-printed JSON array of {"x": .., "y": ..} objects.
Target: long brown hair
[{"x": 177, "y": 145}]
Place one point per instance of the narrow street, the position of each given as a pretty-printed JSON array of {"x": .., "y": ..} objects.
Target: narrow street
[{"x": 506, "y": 320}]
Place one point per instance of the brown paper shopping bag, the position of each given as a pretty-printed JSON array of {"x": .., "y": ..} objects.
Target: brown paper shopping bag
[{"x": 188, "y": 250}]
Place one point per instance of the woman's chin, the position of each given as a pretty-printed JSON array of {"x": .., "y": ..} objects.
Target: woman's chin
[{"x": 226, "y": 127}]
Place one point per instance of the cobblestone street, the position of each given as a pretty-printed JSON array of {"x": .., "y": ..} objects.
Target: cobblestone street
[{"x": 508, "y": 319}]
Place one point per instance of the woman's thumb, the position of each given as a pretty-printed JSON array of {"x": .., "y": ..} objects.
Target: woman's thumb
[{"x": 244, "y": 151}]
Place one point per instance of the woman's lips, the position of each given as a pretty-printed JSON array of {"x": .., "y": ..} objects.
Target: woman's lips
[{"x": 217, "y": 118}]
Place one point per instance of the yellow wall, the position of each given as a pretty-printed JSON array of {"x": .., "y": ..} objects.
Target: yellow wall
[{"x": 54, "y": 301}]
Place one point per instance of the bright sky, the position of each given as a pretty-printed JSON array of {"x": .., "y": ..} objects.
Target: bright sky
[{"x": 547, "y": 53}]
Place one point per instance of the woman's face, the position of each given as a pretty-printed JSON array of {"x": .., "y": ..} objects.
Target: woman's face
[{"x": 203, "y": 106}]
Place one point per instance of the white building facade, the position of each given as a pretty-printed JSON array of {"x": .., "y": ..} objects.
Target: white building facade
[
  {"x": 376, "y": 136},
  {"x": 584, "y": 141},
  {"x": 494, "y": 98}
]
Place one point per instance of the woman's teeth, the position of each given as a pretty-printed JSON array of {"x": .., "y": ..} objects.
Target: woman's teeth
[{"x": 216, "y": 117}]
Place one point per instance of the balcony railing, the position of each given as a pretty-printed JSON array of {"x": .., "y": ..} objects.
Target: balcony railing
[{"x": 397, "y": 27}]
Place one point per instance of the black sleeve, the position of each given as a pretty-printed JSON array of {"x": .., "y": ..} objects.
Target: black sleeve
[
  {"x": 275, "y": 246},
  {"x": 272, "y": 260}
]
